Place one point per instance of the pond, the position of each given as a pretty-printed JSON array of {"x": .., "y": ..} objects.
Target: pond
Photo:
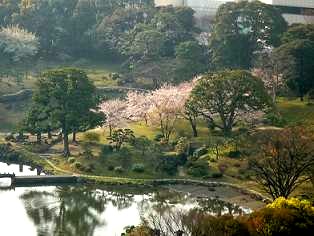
[{"x": 89, "y": 211}]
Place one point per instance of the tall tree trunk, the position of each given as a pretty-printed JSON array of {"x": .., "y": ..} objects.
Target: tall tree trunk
[
  {"x": 49, "y": 133},
  {"x": 38, "y": 138},
  {"x": 227, "y": 130},
  {"x": 193, "y": 126},
  {"x": 74, "y": 137},
  {"x": 301, "y": 88},
  {"x": 66, "y": 149},
  {"x": 110, "y": 130}
]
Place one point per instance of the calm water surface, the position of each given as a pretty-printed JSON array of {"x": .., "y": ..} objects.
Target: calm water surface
[{"x": 86, "y": 211}]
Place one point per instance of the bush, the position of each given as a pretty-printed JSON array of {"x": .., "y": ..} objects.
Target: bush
[
  {"x": 198, "y": 169},
  {"x": 158, "y": 137},
  {"x": 234, "y": 154},
  {"x": 9, "y": 138},
  {"x": 88, "y": 154},
  {"x": 106, "y": 149},
  {"x": 114, "y": 76},
  {"x": 275, "y": 119},
  {"x": 286, "y": 217},
  {"x": 168, "y": 164},
  {"x": 78, "y": 165},
  {"x": 110, "y": 168},
  {"x": 216, "y": 175},
  {"x": 92, "y": 137},
  {"x": 139, "y": 168},
  {"x": 118, "y": 169},
  {"x": 7, "y": 154},
  {"x": 182, "y": 145},
  {"x": 209, "y": 225},
  {"x": 89, "y": 168},
  {"x": 71, "y": 160},
  {"x": 302, "y": 206}
]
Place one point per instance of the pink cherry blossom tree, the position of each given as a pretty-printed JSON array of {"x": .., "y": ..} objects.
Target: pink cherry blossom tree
[
  {"x": 167, "y": 105},
  {"x": 114, "y": 111},
  {"x": 161, "y": 108},
  {"x": 138, "y": 105},
  {"x": 267, "y": 68}
]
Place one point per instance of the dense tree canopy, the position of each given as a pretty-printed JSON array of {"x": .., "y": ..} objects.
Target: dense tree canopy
[
  {"x": 69, "y": 101},
  {"x": 64, "y": 26},
  {"x": 228, "y": 95},
  {"x": 242, "y": 28},
  {"x": 296, "y": 56},
  {"x": 132, "y": 31}
]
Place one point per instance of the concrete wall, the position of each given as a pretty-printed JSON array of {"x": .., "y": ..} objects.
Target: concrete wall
[
  {"x": 294, "y": 18},
  {"x": 205, "y": 10},
  {"x": 169, "y": 2},
  {"x": 293, "y": 3}
]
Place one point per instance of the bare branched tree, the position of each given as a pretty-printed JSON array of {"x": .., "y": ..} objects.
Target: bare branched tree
[{"x": 283, "y": 160}]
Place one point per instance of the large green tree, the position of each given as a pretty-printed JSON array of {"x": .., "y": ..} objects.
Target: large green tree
[
  {"x": 70, "y": 98},
  {"x": 191, "y": 59},
  {"x": 36, "y": 122},
  {"x": 242, "y": 28},
  {"x": 296, "y": 57},
  {"x": 223, "y": 97}
]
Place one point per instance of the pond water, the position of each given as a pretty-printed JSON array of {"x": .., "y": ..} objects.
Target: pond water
[{"x": 88, "y": 211}]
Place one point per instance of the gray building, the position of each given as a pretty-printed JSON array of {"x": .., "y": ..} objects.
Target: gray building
[
  {"x": 205, "y": 10},
  {"x": 294, "y": 11}
]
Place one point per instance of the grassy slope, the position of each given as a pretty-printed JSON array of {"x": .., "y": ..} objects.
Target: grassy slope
[
  {"x": 296, "y": 112},
  {"x": 97, "y": 72}
]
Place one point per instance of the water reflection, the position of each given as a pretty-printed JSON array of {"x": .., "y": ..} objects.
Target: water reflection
[
  {"x": 90, "y": 211},
  {"x": 19, "y": 169},
  {"x": 218, "y": 207},
  {"x": 67, "y": 211}
]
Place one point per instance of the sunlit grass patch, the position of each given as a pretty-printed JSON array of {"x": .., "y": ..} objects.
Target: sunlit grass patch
[{"x": 296, "y": 112}]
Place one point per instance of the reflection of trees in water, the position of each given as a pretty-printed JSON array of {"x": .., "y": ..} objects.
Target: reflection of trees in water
[
  {"x": 166, "y": 199},
  {"x": 170, "y": 220},
  {"x": 76, "y": 211},
  {"x": 119, "y": 200},
  {"x": 65, "y": 211},
  {"x": 218, "y": 207}
]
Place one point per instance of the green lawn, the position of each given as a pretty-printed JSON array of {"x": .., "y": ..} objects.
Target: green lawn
[
  {"x": 11, "y": 115},
  {"x": 22, "y": 76},
  {"x": 296, "y": 112}
]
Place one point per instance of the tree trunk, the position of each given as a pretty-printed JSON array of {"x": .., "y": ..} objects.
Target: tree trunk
[
  {"x": 227, "y": 131},
  {"x": 74, "y": 137},
  {"x": 49, "y": 133},
  {"x": 39, "y": 138},
  {"x": 110, "y": 130},
  {"x": 195, "y": 133},
  {"x": 66, "y": 149},
  {"x": 301, "y": 88}
]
